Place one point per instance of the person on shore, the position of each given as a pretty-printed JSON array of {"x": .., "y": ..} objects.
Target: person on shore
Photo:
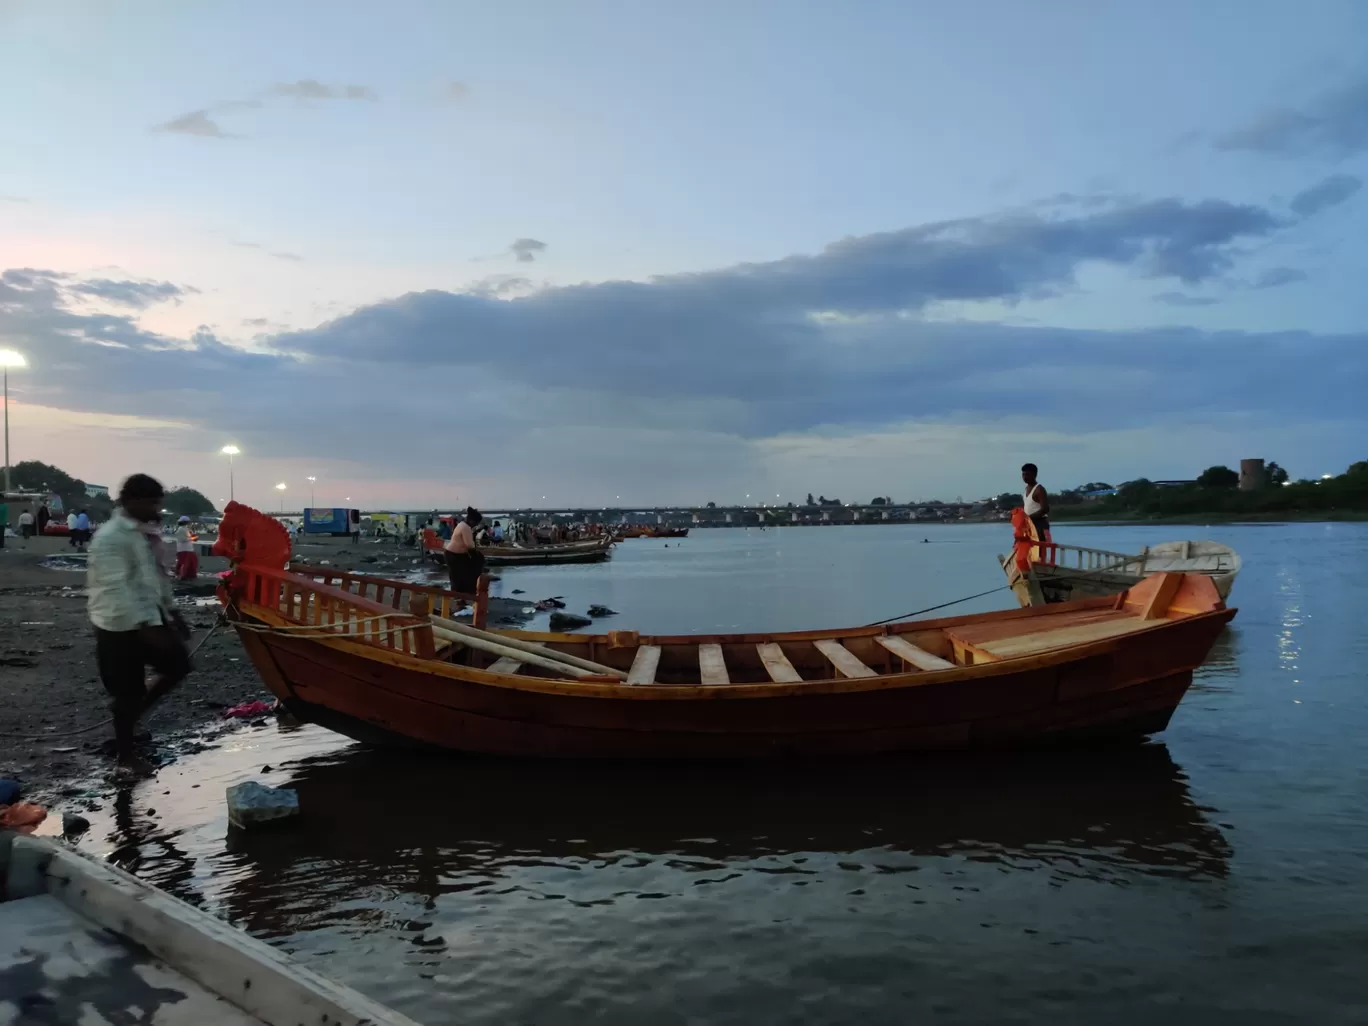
[
  {"x": 444, "y": 530},
  {"x": 187, "y": 560},
  {"x": 83, "y": 526},
  {"x": 1036, "y": 502},
  {"x": 4, "y": 520},
  {"x": 44, "y": 515},
  {"x": 463, "y": 558},
  {"x": 72, "y": 536},
  {"x": 498, "y": 532},
  {"x": 130, "y": 609},
  {"x": 26, "y": 530}
]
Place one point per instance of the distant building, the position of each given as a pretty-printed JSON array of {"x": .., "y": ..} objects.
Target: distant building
[
  {"x": 1172, "y": 484},
  {"x": 94, "y": 491}
]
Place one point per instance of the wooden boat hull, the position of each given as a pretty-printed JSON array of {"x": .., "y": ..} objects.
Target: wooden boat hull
[
  {"x": 1124, "y": 687},
  {"x": 370, "y": 659},
  {"x": 1048, "y": 584},
  {"x": 547, "y": 554},
  {"x": 1044, "y": 573},
  {"x": 590, "y": 551}
]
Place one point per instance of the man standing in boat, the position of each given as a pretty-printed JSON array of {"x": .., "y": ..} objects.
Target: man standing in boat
[
  {"x": 1036, "y": 502},
  {"x": 463, "y": 559}
]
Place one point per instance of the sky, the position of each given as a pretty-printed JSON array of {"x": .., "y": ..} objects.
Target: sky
[{"x": 539, "y": 253}]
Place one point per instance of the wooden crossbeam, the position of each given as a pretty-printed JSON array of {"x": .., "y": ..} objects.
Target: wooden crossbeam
[
  {"x": 712, "y": 667},
  {"x": 912, "y": 654},
  {"x": 846, "y": 662},
  {"x": 644, "y": 665},
  {"x": 506, "y": 664},
  {"x": 777, "y": 664}
]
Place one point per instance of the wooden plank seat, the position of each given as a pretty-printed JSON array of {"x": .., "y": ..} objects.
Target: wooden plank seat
[
  {"x": 506, "y": 664},
  {"x": 777, "y": 664},
  {"x": 712, "y": 666},
  {"x": 912, "y": 654},
  {"x": 847, "y": 664},
  {"x": 644, "y": 665},
  {"x": 1043, "y": 641}
]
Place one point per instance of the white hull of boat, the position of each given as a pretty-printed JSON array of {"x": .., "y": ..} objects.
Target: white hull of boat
[
  {"x": 1078, "y": 572},
  {"x": 129, "y": 943}
]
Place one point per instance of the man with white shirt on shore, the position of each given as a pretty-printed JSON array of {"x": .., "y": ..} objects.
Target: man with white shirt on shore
[{"x": 130, "y": 607}]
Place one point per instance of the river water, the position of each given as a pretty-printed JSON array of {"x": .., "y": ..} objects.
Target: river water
[{"x": 1218, "y": 874}]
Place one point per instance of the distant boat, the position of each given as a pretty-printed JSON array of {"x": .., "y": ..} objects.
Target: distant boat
[
  {"x": 1042, "y": 574},
  {"x": 649, "y": 531},
  {"x": 383, "y": 662},
  {"x": 591, "y": 550}
]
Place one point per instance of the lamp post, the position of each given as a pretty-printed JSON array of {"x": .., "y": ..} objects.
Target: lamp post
[
  {"x": 230, "y": 451},
  {"x": 281, "y": 489},
  {"x": 311, "y": 481},
  {"x": 9, "y": 358}
]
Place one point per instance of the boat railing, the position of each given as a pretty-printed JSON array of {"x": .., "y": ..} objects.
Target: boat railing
[
  {"x": 416, "y": 599},
  {"x": 1081, "y": 557},
  {"x": 325, "y": 609}
]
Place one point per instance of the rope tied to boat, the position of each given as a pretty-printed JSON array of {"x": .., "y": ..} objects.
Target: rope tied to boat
[{"x": 943, "y": 605}]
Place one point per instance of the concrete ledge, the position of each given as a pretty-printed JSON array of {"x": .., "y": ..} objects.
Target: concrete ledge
[{"x": 251, "y": 975}]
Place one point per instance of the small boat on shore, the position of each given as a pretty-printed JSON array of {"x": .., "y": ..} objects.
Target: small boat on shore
[
  {"x": 590, "y": 550},
  {"x": 383, "y": 662},
  {"x": 1040, "y": 573},
  {"x": 83, "y": 941}
]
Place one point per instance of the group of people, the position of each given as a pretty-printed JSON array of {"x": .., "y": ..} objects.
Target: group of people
[{"x": 31, "y": 524}]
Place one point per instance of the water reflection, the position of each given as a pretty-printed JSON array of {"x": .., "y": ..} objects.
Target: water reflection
[
  {"x": 145, "y": 847},
  {"x": 381, "y": 826}
]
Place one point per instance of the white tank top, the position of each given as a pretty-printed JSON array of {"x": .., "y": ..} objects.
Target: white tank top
[{"x": 1031, "y": 503}]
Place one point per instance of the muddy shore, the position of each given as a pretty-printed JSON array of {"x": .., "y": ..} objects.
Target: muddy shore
[{"x": 50, "y": 688}]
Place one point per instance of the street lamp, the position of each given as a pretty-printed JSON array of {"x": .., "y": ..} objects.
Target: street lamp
[
  {"x": 230, "y": 451},
  {"x": 9, "y": 358},
  {"x": 311, "y": 490},
  {"x": 281, "y": 489}
]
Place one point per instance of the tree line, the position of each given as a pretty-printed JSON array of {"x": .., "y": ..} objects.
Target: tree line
[
  {"x": 1216, "y": 491},
  {"x": 33, "y": 476}
]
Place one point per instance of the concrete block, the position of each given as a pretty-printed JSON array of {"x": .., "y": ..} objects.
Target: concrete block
[{"x": 251, "y": 804}]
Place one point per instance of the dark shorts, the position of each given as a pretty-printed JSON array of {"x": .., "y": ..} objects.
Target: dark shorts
[
  {"x": 1042, "y": 525},
  {"x": 27, "y": 530},
  {"x": 123, "y": 658},
  {"x": 464, "y": 570}
]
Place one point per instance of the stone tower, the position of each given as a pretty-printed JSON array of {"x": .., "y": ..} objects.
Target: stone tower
[{"x": 1252, "y": 475}]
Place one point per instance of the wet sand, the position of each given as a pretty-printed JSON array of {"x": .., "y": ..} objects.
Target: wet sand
[{"x": 50, "y": 688}]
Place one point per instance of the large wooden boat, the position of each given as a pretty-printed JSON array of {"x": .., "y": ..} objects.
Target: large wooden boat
[
  {"x": 83, "y": 941},
  {"x": 1040, "y": 574},
  {"x": 590, "y": 550},
  {"x": 382, "y": 661}
]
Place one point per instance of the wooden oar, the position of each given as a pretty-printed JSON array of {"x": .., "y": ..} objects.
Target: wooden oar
[{"x": 512, "y": 646}]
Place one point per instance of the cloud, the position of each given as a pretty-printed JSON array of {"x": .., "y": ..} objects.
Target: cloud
[
  {"x": 293, "y": 257},
  {"x": 692, "y": 381},
  {"x": 1275, "y": 277},
  {"x": 457, "y": 91},
  {"x": 135, "y": 294},
  {"x": 14, "y": 199},
  {"x": 1330, "y": 193},
  {"x": 1333, "y": 124},
  {"x": 197, "y": 122},
  {"x": 1182, "y": 299},
  {"x": 526, "y": 250},
  {"x": 312, "y": 89}
]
